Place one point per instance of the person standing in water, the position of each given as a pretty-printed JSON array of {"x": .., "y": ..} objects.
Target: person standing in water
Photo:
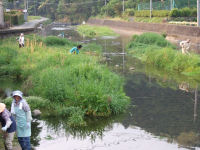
[
  {"x": 22, "y": 112},
  {"x": 75, "y": 50}
]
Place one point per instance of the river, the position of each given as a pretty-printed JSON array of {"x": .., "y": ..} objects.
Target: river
[{"x": 163, "y": 114}]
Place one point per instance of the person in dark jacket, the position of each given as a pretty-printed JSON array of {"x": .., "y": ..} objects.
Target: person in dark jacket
[{"x": 8, "y": 126}]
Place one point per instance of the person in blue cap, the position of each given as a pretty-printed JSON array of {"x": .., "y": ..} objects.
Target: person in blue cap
[
  {"x": 8, "y": 126},
  {"x": 22, "y": 112},
  {"x": 75, "y": 50}
]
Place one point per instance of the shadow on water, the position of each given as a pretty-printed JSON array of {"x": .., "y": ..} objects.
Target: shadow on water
[{"x": 163, "y": 113}]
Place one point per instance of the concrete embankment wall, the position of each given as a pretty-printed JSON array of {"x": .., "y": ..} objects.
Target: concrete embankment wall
[{"x": 154, "y": 27}]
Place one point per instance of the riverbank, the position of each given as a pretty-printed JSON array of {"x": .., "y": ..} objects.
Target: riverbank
[{"x": 175, "y": 33}]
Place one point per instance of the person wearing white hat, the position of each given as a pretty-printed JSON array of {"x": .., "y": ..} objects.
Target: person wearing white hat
[
  {"x": 22, "y": 112},
  {"x": 8, "y": 126}
]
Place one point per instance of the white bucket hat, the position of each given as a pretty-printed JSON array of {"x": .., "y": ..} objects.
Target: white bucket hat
[{"x": 17, "y": 93}]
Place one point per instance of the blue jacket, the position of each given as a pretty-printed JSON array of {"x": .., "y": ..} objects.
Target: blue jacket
[{"x": 74, "y": 50}]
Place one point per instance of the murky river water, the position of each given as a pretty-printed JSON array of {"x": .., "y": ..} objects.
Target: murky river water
[{"x": 163, "y": 114}]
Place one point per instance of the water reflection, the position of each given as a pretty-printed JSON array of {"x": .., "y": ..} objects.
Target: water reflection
[{"x": 195, "y": 103}]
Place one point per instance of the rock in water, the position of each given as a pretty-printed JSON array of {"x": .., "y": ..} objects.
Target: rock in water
[{"x": 36, "y": 112}]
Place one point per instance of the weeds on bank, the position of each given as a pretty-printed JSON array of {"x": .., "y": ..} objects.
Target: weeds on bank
[{"x": 156, "y": 51}]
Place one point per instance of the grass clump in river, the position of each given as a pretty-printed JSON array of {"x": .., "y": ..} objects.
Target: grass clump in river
[
  {"x": 95, "y": 31},
  {"x": 66, "y": 83},
  {"x": 156, "y": 51}
]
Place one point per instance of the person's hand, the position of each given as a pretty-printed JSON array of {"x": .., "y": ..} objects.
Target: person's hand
[
  {"x": 28, "y": 125},
  {"x": 4, "y": 129}
]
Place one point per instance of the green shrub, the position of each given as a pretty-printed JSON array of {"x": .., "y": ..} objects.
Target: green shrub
[
  {"x": 130, "y": 12},
  {"x": 155, "y": 13},
  {"x": 52, "y": 40},
  {"x": 175, "y": 13},
  {"x": 76, "y": 84},
  {"x": 14, "y": 17},
  {"x": 184, "y": 12},
  {"x": 142, "y": 13},
  {"x": 151, "y": 39}
]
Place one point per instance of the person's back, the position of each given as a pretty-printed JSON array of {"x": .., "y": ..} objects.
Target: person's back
[
  {"x": 75, "y": 50},
  {"x": 8, "y": 126}
]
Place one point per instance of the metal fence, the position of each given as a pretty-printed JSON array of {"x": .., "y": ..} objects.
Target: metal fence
[{"x": 168, "y": 4}]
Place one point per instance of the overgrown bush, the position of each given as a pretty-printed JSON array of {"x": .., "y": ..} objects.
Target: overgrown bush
[
  {"x": 151, "y": 39},
  {"x": 52, "y": 40},
  {"x": 184, "y": 12},
  {"x": 130, "y": 12},
  {"x": 155, "y": 13},
  {"x": 14, "y": 17}
]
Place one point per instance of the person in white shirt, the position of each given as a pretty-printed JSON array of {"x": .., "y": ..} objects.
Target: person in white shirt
[
  {"x": 21, "y": 40},
  {"x": 185, "y": 45}
]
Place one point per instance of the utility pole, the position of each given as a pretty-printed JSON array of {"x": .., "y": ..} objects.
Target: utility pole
[
  {"x": 150, "y": 8},
  {"x": 34, "y": 8},
  {"x": 171, "y": 4},
  {"x": 25, "y": 11},
  {"x": 123, "y": 6},
  {"x": 198, "y": 13},
  {"x": 1, "y": 14}
]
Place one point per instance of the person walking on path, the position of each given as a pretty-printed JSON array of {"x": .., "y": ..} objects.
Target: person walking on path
[
  {"x": 8, "y": 126},
  {"x": 75, "y": 50},
  {"x": 22, "y": 112},
  {"x": 21, "y": 40}
]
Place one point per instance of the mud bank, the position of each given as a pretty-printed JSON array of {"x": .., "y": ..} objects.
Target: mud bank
[{"x": 175, "y": 33}]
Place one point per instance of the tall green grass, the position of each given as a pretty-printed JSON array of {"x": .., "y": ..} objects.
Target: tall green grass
[
  {"x": 156, "y": 51},
  {"x": 95, "y": 31},
  {"x": 65, "y": 81},
  {"x": 52, "y": 40}
]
